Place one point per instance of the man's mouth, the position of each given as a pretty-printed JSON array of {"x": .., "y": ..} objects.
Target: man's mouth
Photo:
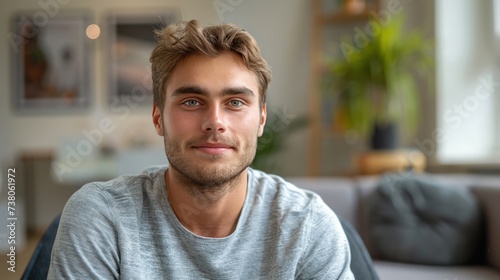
[{"x": 213, "y": 148}]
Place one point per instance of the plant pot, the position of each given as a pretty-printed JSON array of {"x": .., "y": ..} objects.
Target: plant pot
[{"x": 384, "y": 136}]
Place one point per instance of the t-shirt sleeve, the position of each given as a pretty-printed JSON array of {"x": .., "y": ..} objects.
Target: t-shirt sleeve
[
  {"x": 86, "y": 243},
  {"x": 327, "y": 254}
]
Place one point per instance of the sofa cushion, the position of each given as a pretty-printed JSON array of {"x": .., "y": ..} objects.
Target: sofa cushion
[{"x": 416, "y": 220}]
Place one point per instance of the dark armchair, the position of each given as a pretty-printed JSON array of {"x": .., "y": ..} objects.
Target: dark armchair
[{"x": 38, "y": 266}]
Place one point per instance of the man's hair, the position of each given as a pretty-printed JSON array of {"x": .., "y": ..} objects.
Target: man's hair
[{"x": 182, "y": 39}]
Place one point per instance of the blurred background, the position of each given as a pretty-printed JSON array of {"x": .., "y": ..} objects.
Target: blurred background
[{"x": 75, "y": 100}]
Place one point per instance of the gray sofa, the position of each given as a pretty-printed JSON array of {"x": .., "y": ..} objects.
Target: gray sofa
[{"x": 348, "y": 197}]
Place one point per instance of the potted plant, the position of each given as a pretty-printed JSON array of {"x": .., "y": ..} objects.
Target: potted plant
[{"x": 374, "y": 84}]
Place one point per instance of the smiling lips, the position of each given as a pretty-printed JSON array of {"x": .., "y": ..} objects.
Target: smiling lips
[{"x": 213, "y": 148}]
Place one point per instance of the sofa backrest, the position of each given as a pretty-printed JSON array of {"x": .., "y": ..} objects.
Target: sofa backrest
[
  {"x": 365, "y": 187},
  {"x": 339, "y": 194}
]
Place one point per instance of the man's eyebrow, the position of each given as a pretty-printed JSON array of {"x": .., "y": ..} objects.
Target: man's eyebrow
[
  {"x": 190, "y": 89},
  {"x": 202, "y": 91},
  {"x": 237, "y": 90}
]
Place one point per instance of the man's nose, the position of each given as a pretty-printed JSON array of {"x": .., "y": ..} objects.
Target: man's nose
[{"x": 214, "y": 119}]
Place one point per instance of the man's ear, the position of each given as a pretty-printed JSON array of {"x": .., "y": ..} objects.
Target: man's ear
[
  {"x": 263, "y": 117},
  {"x": 157, "y": 120}
]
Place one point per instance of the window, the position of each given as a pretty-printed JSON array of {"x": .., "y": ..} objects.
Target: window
[{"x": 468, "y": 81}]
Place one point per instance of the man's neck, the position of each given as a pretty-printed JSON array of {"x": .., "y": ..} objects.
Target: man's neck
[{"x": 207, "y": 213}]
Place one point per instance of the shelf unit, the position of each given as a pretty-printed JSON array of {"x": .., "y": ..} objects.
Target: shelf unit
[{"x": 320, "y": 21}]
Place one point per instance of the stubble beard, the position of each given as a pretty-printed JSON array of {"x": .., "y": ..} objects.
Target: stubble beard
[{"x": 209, "y": 179}]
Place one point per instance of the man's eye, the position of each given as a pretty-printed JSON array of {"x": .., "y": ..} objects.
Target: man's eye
[
  {"x": 235, "y": 103},
  {"x": 191, "y": 103}
]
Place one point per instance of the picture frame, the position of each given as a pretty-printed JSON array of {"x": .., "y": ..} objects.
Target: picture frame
[
  {"x": 51, "y": 62},
  {"x": 131, "y": 39}
]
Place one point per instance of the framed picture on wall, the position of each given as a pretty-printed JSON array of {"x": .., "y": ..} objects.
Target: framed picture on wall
[
  {"x": 131, "y": 41},
  {"x": 51, "y": 65}
]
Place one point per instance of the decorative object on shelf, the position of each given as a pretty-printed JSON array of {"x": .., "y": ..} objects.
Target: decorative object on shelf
[
  {"x": 374, "y": 83},
  {"x": 131, "y": 40},
  {"x": 51, "y": 65}
]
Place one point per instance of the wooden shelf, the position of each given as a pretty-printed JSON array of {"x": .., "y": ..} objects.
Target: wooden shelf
[
  {"x": 378, "y": 162},
  {"x": 320, "y": 20}
]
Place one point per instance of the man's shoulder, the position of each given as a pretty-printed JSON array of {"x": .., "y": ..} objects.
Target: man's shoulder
[
  {"x": 146, "y": 178},
  {"x": 282, "y": 193},
  {"x": 121, "y": 189}
]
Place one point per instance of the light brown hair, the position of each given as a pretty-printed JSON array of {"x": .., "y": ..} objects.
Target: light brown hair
[{"x": 182, "y": 39}]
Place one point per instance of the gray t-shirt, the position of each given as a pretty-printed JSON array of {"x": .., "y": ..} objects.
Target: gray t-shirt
[{"x": 126, "y": 229}]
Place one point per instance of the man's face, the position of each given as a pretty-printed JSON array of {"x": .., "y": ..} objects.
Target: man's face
[{"x": 211, "y": 119}]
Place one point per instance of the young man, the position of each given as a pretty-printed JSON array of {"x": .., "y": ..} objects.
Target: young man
[{"x": 206, "y": 215}]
